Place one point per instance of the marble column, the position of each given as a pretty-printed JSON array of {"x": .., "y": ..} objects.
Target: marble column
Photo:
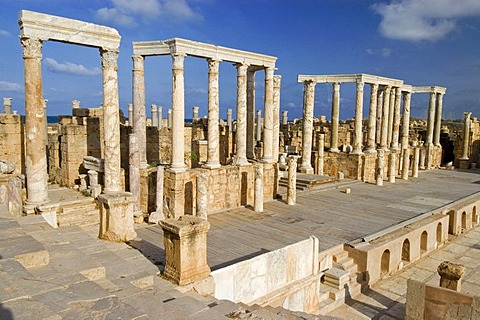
[
  {"x": 7, "y": 105},
  {"x": 378, "y": 129},
  {"x": 169, "y": 118},
  {"x": 251, "y": 112},
  {"x": 396, "y": 119},
  {"x": 391, "y": 111},
  {"x": 307, "y": 130},
  {"x": 268, "y": 118},
  {"x": 335, "y": 117},
  {"x": 202, "y": 195},
  {"x": 178, "y": 114},
  {"x": 276, "y": 116},
  {"x": 416, "y": 159},
  {"x": 423, "y": 152},
  {"x": 466, "y": 135},
  {"x": 392, "y": 166},
  {"x": 241, "y": 133},
  {"x": 158, "y": 215},
  {"x": 431, "y": 117},
  {"x": 380, "y": 165},
  {"x": 160, "y": 117},
  {"x": 406, "y": 119},
  {"x": 154, "y": 111},
  {"x": 35, "y": 147},
  {"x": 285, "y": 118},
  {"x": 229, "y": 120},
  {"x": 130, "y": 114},
  {"x": 385, "y": 113},
  {"x": 139, "y": 122},
  {"x": 358, "y": 137},
  {"x": 111, "y": 123},
  {"x": 258, "y": 191},
  {"x": 292, "y": 180},
  {"x": 438, "y": 120},
  {"x": 259, "y": 126},
  {"x": 405, "y": 162},
  {"x": 213, "y": 152},
  {"x": 321, "y": 153},
  {"x": 372, "y": 119},
  {"x": 134, "y": 169},
  {"x": 194, "y": 114}
]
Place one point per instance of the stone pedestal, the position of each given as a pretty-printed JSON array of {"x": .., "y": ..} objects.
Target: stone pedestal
[
  {"x": 185, "y": 249},
  {"x": 450, "y": 275},
  {"x": 116, "y": 216}
]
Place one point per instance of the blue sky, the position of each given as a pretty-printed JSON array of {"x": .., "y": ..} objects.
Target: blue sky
[{"x": 423, "y": 42}]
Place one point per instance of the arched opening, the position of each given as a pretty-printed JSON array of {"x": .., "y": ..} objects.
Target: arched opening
[
  {"x": 464, "y": 221},
  {"x": 451, "y": 220},
  {"x": 439, "y": 232},
  {"x": 385, "y": 263},
  {"x": 423, "y": 242},
  {"x": 406, "y": 251},
  {"x": 474, "y": 215}
]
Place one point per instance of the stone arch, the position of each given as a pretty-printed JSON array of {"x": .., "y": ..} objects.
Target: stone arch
[
  {"x": 385, "y": 263},
  {"x": 439, "y": 232},
  {"x": 424, "y": 242},
  {"x": 474, "y": 215},
  {"x": 406, "y": 250},
  {"x": 451, "y": 221},
  {"x": 464, "y": 220}
]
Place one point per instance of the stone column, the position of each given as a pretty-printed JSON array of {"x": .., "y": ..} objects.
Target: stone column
[
  {"x": 178, "y": 114},
  {"x": 154, "y": 111},
  {"x": 372, "y": 119},
  {"x": 130, "y": 114},
  {"x": 134, "y": 170},
  {"x": 158, "y": 215},
  {"x": 251, "y": 112},
  {"x": 213, "y": 152},
  {"x": 241, "y": 133},
  {"x": 185, "y": 249},
  {"x": 169, "y": 118},
  {"x": 292, "y": 180},
  {"x": 416, "y": 159},
  {"x": 35, "y": 144},
  {"x": 431, "y": 117},
  {"x": 378, "y": 129},
  {"x": 466, "y": 135},
  {"x": 451, "y": 275},
  {"x": 194, "y": 114},
  {"x": 259, "y": 126},
  {"x": 276, "y": 116},
  {"x": 7, "y": 104},
  {"x": 385, "y": 113},
  {"x": 406, "y": 119},
  {"x": 358, "y": 137},
  {"x": 405, "y": 163},
  {"x": 202, "y": 195},
  {"x": 258, "y": 191},
  {"x": 229, "y": 120},
  {"x": 390, "y": 116},
  {"x": 160, "y": 117},
  {"x": 268, "y": 118},
  {"x": 321, "y": 153},
  {"x": 75, "y": 104},
  {"x": 335, "y": 117},
  {"x": 421, "y": 165},
  {"x": 392, "y": 166},
  {"x": 438, "y": 120},
  {"x": 396, "y": 119},
  {"x": 111, "y": 123},
  {"x": 307, "y": 130},
  {"x": 380, "y": 165},
  {"x": 139, "y": 122},
  {"x": 285, "y": 118}
]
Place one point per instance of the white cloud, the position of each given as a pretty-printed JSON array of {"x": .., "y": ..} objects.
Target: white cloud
[
  {"x": 127, "y": 13},
  {"x": 72, "y": 68},
  {"x": 10, "y": 86},
  {"x": 384, "y": 52},
  {"x": 416, "y": 20},
  {"x": 4, "y": 33}
]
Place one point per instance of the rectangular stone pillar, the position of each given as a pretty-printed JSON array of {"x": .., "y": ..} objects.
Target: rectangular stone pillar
[
  {"x": 185, "y": 249},
  {"x": 116, "y": 216}
]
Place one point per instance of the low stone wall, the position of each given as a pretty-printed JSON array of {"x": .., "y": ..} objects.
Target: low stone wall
[
  {"x": 463, "y": 217},
  {"x": 286, "y": 277},
  {"x": 11, "y": 140},
  {"x": 430, "y": 302}
]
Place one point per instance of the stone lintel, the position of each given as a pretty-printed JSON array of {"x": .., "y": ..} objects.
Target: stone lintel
[
  {"x": 47, "y": 27},
  {"x": 428, "y": 89},
  {"x": 203, "y": 50},
  {"x": 361, "y": 77}
]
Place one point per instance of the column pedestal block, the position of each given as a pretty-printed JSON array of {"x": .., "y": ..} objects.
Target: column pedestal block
[
  {"x": 464, "y": 163},
  {"x": 185, "y": 249},
  {"x": 116, "y": 216}
]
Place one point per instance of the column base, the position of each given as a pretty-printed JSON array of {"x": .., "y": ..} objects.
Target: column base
[
  {"x": 371, "y": 151},
  {"x": 241, "y": 162},
  {"x": 30, "y": 206},
  {"x": 267, "y": 160},
  {"x": 211, "y": 165},
  {"x": 357, "y": 152},
  {"x": 306, "y": 170},
  {"x": 178, "y": 169},
  {"x": 335, "y": 150}
]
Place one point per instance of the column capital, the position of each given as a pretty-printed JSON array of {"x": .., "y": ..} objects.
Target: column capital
[
  {"x": 109, "y": 58},
  {"x": 241, "y": 68},
  {"x": 269, "y": 72},
  {"x": 32, "y": 48},
  {"x": 138, "y": 62},
  {"x": 309, "y": 84},
  {"x": 277, "y": 79},
  {"x": 360, "y": 85},
  {"x": 467, "y": 115},
  {"x": 213, "y": 65},
  {"x": 177, "y": 60}
]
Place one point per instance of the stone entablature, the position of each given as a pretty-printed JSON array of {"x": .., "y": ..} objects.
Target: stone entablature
[{"x": 343, "y": 78}]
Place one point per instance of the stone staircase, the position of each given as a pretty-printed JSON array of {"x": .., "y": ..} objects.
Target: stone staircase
[
  {"x": 81, "y": 212},
  {"x": 307, "y": 181}
]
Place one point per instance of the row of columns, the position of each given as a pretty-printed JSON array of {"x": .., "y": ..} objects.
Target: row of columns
[{"x": 245, "y": 113}]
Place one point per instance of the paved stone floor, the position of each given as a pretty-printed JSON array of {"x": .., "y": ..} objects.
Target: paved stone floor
[{"x": 386, "y": 298}]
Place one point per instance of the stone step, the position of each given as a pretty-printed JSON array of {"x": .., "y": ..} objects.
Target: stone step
[
  {"x": 346, "y": 264},
  {"x": 79, "y": 218},
  {"x": 336, "y": 277},
  {"x": 340, "y": 256}
]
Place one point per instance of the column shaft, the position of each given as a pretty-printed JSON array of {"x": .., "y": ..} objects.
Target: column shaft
[
  {"x": 241, "y": 133},
  {"x": 251, "y": 113},
  {"x": 372, "y": 119},
  {"x": 385, "y": 113},
  {"x": 431, "y": 117},
  {"x": 268, "y": 117},
  {"x": 154, "y": 111},
  {"x": 335, "y": 116},
  {"x": 321, "y": 153},
  {"x": 358, "y": 138},
  {"x": 178, "y": 114},
  {"x": 276, "y": 116},
  {"x": 466, "y": 135},
  {"x": 35, "y": 148},
  {"x": 438, "y": 120},
  {"x": 396, "y": 119},
  {"x": 378, "y": 129},
  {"x": 307, "y": 133},
  {"x": 391, "y": 111},
  {"x": 213, "y": 155},
  {"x": 139, "y": 122}
]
